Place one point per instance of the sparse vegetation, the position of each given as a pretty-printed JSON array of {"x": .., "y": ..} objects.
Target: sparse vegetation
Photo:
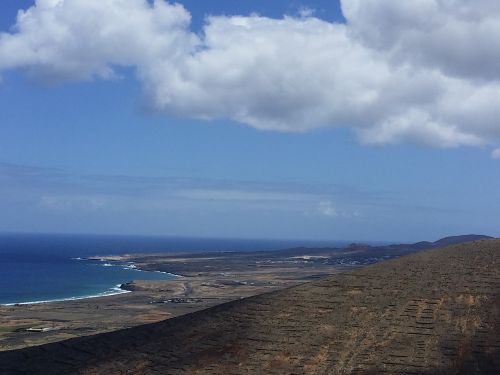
[{"x": 431, "y": 312}]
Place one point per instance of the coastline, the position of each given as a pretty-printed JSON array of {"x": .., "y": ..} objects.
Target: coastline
[
  {"x": 111, "y": 291},
  {"x": 197, "y": 281},
  {"x": 119, "y": 260},
  {"x": 194, "y": 282},
  {"x": 116, "y": 290},
  {"x": 444, "y": 300}
]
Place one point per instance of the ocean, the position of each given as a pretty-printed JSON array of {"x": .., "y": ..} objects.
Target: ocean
[{"x": 51, "y": 267}]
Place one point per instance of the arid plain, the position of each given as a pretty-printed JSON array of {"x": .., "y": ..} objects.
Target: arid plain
[{"x": 432, "y": 312}]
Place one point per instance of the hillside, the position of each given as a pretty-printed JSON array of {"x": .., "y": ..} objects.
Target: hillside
[{"x": 433, "y": 312}]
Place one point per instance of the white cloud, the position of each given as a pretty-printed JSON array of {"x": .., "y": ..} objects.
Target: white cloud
[
  {"x": 326, "y": 208},
  {"x": 456, "y": 37},
  {"x": 82, "y": 39},
  {"x": 306, "y": 12},
  {"x": 398, "y": 71},
  {"x": 495, "y": 154}
]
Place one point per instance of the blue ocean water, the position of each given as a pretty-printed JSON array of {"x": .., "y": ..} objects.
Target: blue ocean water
[{"x": 46, "y": 267}]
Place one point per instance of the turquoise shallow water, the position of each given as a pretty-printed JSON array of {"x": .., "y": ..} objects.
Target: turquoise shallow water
[{"x": 37, "y": 268}]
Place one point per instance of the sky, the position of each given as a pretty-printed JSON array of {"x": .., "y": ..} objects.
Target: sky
[{"x": 358, "y": 120}]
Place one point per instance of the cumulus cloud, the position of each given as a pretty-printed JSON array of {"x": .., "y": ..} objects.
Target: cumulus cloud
[
  {"x": 396, "y": 71},
  {"x": 71, "y": 40},
  {"x": 456, "y": 37}
]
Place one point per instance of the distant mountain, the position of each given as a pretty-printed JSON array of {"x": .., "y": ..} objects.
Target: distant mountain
[
  {"x": 453, "y": 240},
  {"x": 396, "y": 249},
  {"x": 425, "y": 245},
  {"x": 422, "y": 245}
]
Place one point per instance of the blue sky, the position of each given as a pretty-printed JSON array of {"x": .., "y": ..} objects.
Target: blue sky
[{"x": 101, "y": 155}]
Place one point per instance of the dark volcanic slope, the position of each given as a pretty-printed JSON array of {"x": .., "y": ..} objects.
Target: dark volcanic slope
[{"x": 436, "y": 312}]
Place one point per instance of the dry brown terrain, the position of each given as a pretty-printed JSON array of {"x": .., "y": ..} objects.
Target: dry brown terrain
[
  {"x": 435, "y": 312},
  {"x": 208, "y": 279},
  {"x": 151, "y": 301},
  {"x": 206, "y": 282}
]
